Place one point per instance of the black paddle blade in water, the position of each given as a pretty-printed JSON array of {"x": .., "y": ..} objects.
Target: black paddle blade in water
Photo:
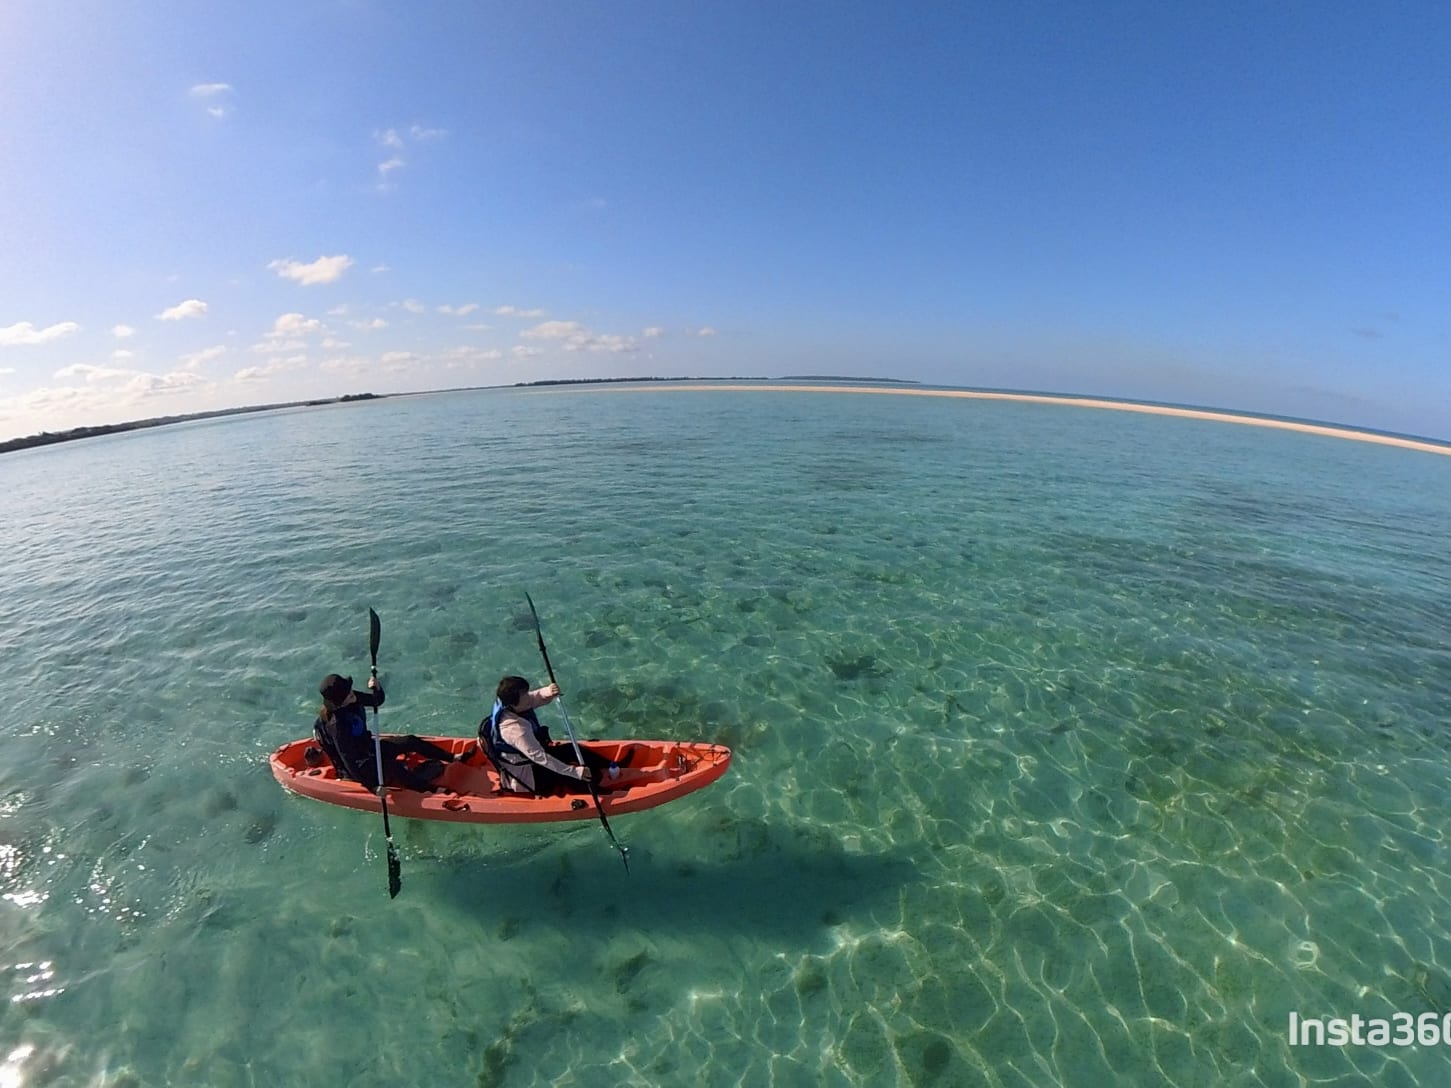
[
  {"x": 375, "y": 635},
  {"x": 395, "y": 873}
]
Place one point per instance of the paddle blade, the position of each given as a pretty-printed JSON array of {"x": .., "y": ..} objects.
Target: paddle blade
[
  {"x": 375, "y": 634},
  {"x": 539, "y": 636},
  {"x": 395, "y": 873},
  {"x": 538, "y": 631}
]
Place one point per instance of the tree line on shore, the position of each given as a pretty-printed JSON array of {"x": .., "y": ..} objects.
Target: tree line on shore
[{"x": 47, "y": 438}]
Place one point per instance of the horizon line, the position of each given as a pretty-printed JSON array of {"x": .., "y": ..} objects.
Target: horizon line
[{"x": 788, "y": 383}]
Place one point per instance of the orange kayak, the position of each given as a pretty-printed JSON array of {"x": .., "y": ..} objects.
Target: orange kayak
[{"x": 655, "y": 771}]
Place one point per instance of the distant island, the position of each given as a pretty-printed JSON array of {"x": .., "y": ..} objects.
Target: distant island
[{"x": 47, "y": 438}]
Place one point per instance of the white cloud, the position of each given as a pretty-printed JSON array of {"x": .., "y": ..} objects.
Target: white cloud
[
  {"x": 370, "y": 326},
  {"x": 285, "y": 333},
  {"x": 611, "y": 342},
  {"x": 555, "y": 330},
  {"x": 381, "y": 268},
  {"x": 413, "y": 306},
  {"x": 420, "y": 134},
  {"x": 466, "y": 353},
  {"x": 26, "y": 333},
  {"x": 576, "y": 337},
  {"x": 141, "y": 386},
  {"x": 350, "y": 364},
  {"x": 121, "y": 332},
  {"x": 120, "y": 355},
  {"x": 514, "y": 311},
  {"x": 90, "y": 374},
  {"x": 707, "y": 331},
  {"x": 459, "y": 311},
  {"x": 296, "y": 325},
  {"x": 123, "y": 385},
  {"x": 6, "y": 370},
  {"x": 520, "y": 351},
  {"x": 395, "y": 143},
  {"x": 274, "y": 344},
  {"x": 192, "y": 307},
  {"x": 216, "y": 94},
  {"x": 332, "y": 343},
  {"x": 652, "y": 332},
  {"x": 395, "y": 358},
  {"x": 478, "y": 328},
  {"x": 322, "y": 270},
  {"x": 206, "y": 355},
  {"x": 271, "y": 367},
  {"x": 338, "y": 311}
]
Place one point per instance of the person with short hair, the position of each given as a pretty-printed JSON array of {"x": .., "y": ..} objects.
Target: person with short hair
[
  {"x": 527, "y": 759},
  {"x": 341, "y": 730}
]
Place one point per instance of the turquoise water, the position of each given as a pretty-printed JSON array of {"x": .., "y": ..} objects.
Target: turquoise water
[{"x": 1072, "y": 746}]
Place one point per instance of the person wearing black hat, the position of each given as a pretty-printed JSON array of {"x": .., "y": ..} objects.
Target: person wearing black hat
[{"x": 341, "y": 730}]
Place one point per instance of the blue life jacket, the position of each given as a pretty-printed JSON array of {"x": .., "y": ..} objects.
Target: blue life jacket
[{"x": 500, "y": 752}]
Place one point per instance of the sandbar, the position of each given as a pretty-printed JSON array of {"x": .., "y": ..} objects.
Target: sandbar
[{"x": 1325, "y": 429}]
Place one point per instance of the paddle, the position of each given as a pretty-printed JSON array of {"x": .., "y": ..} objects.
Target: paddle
[
  {"x": 578, "y": 755},
  {"x": 395, "y": 870}
]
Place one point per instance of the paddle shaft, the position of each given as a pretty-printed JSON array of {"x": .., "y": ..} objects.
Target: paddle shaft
[
  {"x": 395, "y": 868},
  {"x": 378, "y": 762},
  {"x": 569, "y": 728}
]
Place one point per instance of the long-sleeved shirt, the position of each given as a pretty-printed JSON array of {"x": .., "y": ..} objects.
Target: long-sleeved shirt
[{"x": 519, "y": 733}]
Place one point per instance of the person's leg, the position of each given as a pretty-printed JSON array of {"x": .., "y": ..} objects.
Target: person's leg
[
  {"x": 417, "y": 746},
  {"x": 592, "y": 759},
  {"x": 421, "y": 777},
  {"x": 598, "y": 764},
  {"x": 396, "y": 772},
  {"x": 549, "y": 783}
]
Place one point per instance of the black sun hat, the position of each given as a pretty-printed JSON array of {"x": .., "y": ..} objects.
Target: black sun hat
[{"x": 335, "y": 688}]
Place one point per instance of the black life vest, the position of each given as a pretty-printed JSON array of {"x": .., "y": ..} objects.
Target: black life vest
[{"x": 347, "y": 741}]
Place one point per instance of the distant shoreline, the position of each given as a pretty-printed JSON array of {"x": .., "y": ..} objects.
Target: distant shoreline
[
  {"x": 799, "y": 383},
  {"x": 50, "y": 438}
]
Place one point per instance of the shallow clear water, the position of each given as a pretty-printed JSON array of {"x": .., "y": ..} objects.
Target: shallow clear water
[{"x": 1072, "y": 746}]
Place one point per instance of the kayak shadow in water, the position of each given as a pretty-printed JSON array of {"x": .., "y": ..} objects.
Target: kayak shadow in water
[{"x": 789, "y": 886}]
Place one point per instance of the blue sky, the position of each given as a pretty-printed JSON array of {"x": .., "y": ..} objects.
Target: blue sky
[{"x": 209, "y": 205}]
